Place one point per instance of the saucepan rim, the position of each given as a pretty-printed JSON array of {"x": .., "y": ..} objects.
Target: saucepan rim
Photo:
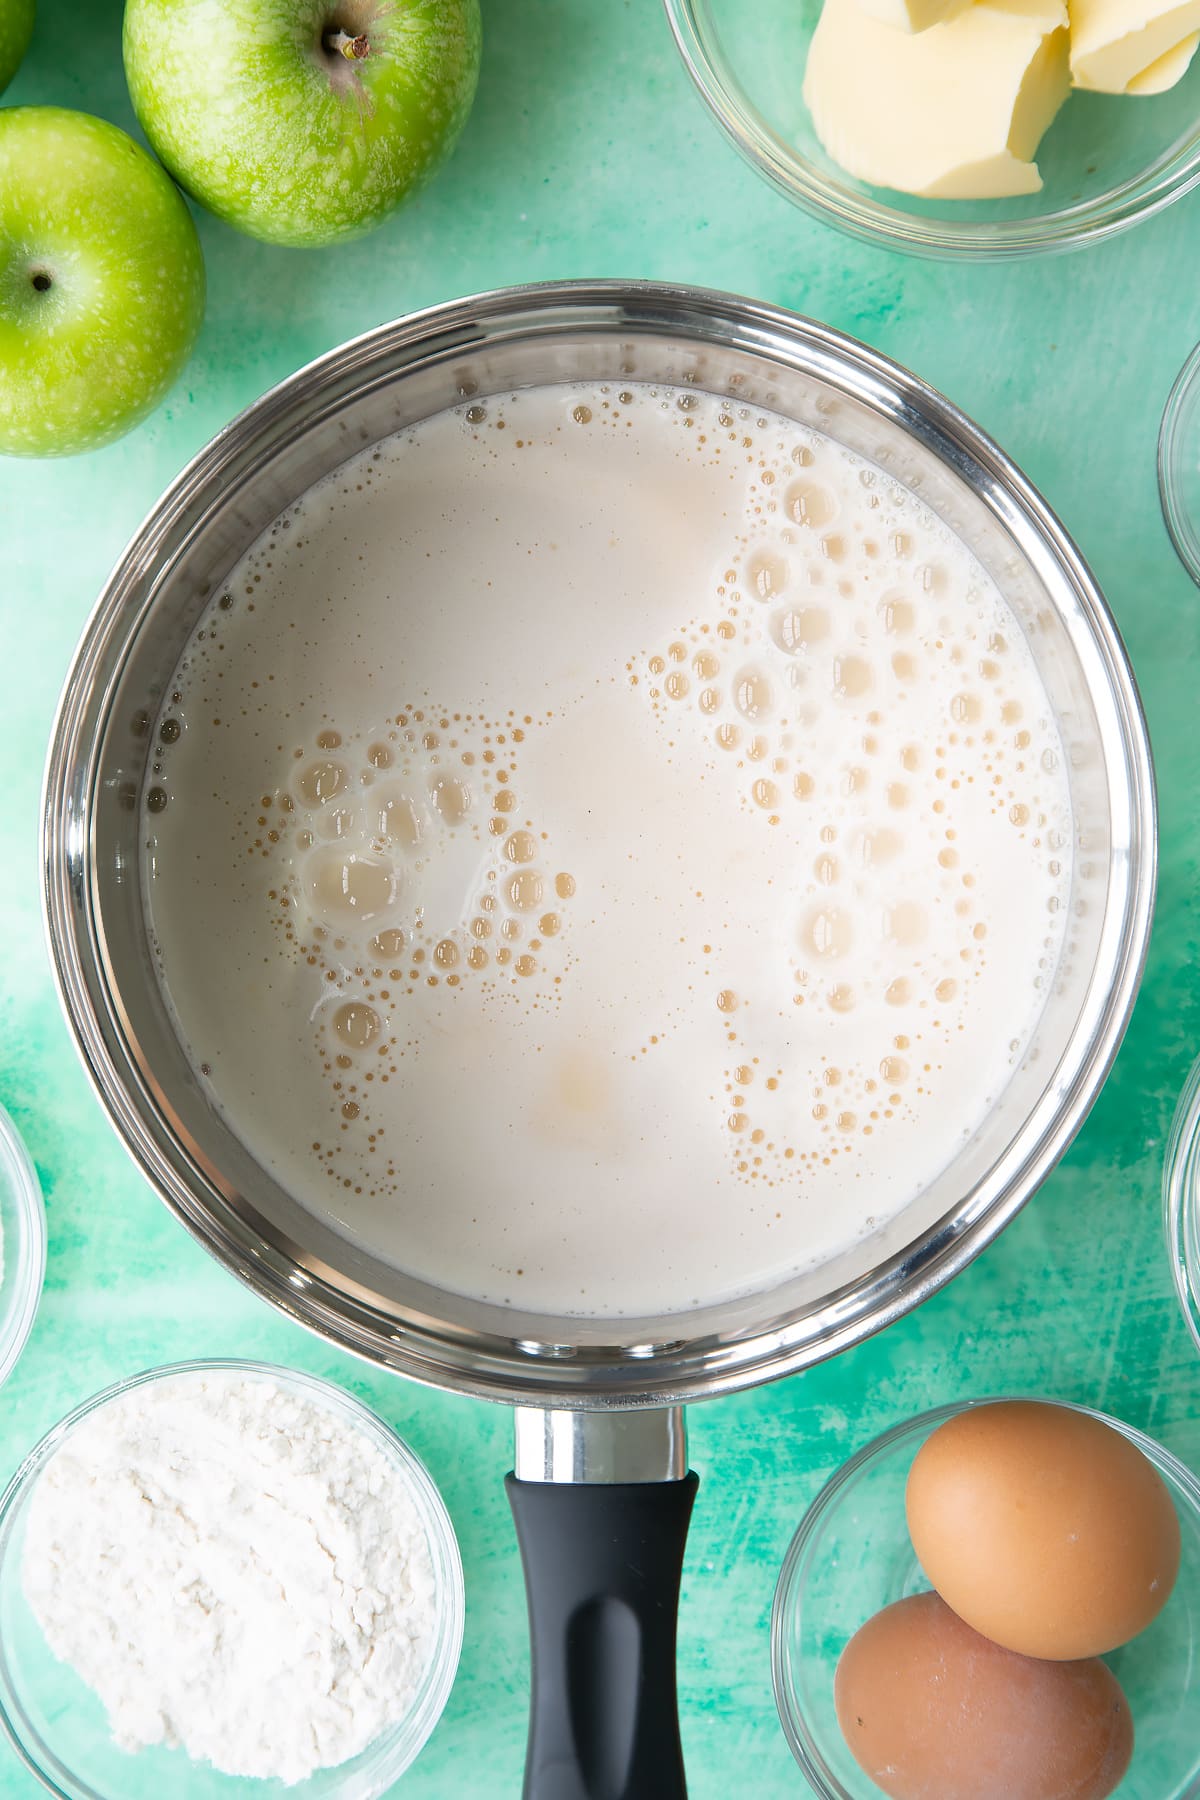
[{"x": 524, "y": 1369}]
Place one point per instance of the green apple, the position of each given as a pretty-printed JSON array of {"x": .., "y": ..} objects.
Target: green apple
[
  {"x": 16, "y": 28},
  {"x": 101, "y": 281},
  {"x": 302, "y": 121}
]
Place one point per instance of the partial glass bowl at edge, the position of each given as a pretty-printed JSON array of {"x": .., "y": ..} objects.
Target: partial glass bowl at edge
[
  {"x": 58, "y": 1726},
  {"x": 1179, "y": 465},
  {"x": 1181, "y": 1200},
  {"x": 1107, "y": 161},
  {"x": 852, "y": 1556},
  {"x": 22, "y": 1244}
]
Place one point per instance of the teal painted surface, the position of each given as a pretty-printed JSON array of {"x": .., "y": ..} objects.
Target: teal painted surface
[{"x": 588, "y": 154}]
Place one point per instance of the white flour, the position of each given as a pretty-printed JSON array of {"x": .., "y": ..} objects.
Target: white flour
[{"x": 236, "y": 1570}]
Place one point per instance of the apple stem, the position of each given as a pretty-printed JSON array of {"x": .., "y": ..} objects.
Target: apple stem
[{"x": 340, "y": 43}]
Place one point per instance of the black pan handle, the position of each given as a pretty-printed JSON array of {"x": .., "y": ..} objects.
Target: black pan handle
[{"x": 602, "y": 1567}]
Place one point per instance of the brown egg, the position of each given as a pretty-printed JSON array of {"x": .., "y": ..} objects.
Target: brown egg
[
  {"x": 1046, "y": 1530},
  {"x": 933, "y": 1711}
]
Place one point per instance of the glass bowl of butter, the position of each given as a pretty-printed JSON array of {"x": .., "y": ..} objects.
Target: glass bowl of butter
[{"x": 988, "y": 130}]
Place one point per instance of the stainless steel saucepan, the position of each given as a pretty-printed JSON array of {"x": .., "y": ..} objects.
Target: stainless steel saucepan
[{"x": 600, "y": 1492}]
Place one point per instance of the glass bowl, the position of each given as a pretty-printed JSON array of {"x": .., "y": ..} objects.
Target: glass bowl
[
  {"x": 59, "y": 1727},
  {"x": 1179, "y": 465},
  {"x": 1107, "y": 161},
  {"x": 1181, "y": 1216},
  {"x": 852, "y": 1555},
  {"x": 22, "y": 1244}
]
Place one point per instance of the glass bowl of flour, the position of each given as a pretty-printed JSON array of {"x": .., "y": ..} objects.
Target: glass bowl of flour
[
  {"x": 224, "y": 1578},
  {"x": 22, "y": 1244}
]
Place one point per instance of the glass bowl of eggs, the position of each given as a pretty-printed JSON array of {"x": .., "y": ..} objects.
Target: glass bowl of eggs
[
  {"x": 878, "y": 94},
  {"x": 1048, "y": 1526}
]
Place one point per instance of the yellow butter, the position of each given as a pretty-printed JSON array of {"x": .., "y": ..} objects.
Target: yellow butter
[
  {"x": 955, "y": 112},
  {"x": 912, "y": 15},
  {"x": 1169, "y": 69},
  {"x": 1131, "y": 46}
]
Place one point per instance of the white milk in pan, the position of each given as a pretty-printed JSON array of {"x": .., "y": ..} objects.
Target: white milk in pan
[{"x": 607, "y": 848}]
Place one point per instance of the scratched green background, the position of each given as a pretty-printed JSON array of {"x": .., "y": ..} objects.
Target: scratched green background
[{"x": 588, "y": 154}]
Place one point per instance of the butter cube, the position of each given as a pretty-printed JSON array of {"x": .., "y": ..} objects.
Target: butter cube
[
  {"x": 1169, "y": 69},
  {"x": 953, "y": 113},
  {"x": 912, "y": 15},
  {"x": 1131, "y": 46}
]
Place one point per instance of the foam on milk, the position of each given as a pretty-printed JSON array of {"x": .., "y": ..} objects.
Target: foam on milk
[{"x": 607, "y": 847}]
